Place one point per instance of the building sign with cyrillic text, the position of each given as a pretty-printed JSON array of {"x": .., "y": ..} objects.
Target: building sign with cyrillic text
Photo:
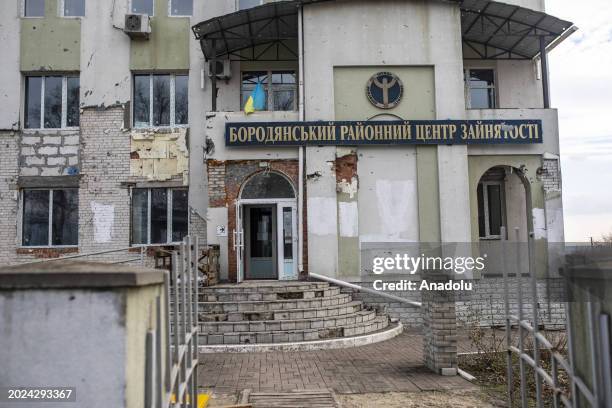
[{"x": 436, "y": 132}]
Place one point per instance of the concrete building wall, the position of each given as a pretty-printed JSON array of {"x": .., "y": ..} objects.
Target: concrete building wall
[
  {"x": 33, "y": 353},
  {"x": 10, "y": 78}
]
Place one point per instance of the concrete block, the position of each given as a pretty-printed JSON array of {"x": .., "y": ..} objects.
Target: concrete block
[
  {"x": 51, "y": 171},
  {"x": 56, "y": 161},
  {"x": 27, "y": 151},
  {"x": 52, "y": 140},
  {"x": 30, "y": 171},
  {"x": 69, "y": 150},
  {"x": 449, "y": 371},
  {"x": 73, "y": 160},
  {"x": 48, "y": 150},
  {"x": 71, "y": 140},
  {"x": 34, "y": 161},
  {"x": 30, "y": 140}
]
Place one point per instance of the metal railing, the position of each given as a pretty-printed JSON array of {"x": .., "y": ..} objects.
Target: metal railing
[
  {"x": 140, "y": 258},
  {"x": 531, "y": 355},
  {"x": 178, "y": 388},
  {"x": 367, "y": 290}
]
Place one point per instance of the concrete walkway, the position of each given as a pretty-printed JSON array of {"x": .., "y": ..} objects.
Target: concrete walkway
[{"x": 392, "y": 365}]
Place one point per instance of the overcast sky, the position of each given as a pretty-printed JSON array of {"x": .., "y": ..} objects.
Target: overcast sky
[{"x": 581, "y": 88}]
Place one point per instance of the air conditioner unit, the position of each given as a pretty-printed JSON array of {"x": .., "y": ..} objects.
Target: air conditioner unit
[
  {"x": 137, "y": 26},
  {"x": 220, "y": 68}
]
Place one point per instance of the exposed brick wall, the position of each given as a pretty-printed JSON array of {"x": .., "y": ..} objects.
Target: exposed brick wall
[
  {"x": 49, "y": 153},
  {"x": 104, "y": 199},
  {"x": 9, "y": 169},
  {"x": 216, "y": 183}
]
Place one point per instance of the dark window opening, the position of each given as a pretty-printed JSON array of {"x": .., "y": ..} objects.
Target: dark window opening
[
  {"x": 280, "y": 89},
  {"x": 160, "y": 100},
  {"x": 50, "y": 217},
  {"x": 52, "y": 102},
  {"x": 159, "y": 215},
  {"x": 480, "y": 88},
  {"x": 491, "y": 209}
]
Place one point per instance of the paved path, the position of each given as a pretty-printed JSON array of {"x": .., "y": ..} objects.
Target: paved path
[{"x": 392, "y": 365}]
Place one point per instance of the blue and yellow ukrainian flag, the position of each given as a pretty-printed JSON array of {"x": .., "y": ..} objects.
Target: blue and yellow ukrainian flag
[{"x": 256, "y": 101}]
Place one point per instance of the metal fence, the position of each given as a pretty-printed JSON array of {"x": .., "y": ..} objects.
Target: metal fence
[
  {"x": 533, "y": 344},
  {"x": 179, "y": 387}
]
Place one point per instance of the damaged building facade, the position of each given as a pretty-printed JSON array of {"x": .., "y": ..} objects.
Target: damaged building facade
[{"x": 122, "y": 125}]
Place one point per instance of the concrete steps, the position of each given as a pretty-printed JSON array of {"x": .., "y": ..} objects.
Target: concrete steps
[{"x": 286, "y": 314}]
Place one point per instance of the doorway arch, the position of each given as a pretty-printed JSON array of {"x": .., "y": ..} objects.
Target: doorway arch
[{"x": 266, "y": 225}]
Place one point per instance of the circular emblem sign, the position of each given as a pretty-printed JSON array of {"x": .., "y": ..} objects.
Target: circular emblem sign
[{"x": 385, "y": 90}]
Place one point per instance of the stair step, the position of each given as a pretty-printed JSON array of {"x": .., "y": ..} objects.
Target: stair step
[
  {"x": 293, "y": 294},
  {"x": 271, "y": 305},
  {"x": 294, "y": 314},
  {"x": 284, "y": 336},
  {"x": 264, "y": 286},
  {"x": 277, "y": 325}
]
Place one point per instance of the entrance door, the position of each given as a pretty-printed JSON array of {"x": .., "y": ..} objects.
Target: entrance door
[{"x": 261, "y": 252}]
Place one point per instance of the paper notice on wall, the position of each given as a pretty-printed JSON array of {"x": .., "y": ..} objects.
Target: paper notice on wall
[
  {"x": 348, "y": 213},
  {"x": 103, "y": 220}
]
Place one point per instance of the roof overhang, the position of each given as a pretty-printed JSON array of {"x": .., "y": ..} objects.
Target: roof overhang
[{"x": 490, "y": 30}]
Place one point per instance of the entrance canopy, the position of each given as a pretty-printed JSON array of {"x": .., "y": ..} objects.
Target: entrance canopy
[{"x": 490, "y": 29}]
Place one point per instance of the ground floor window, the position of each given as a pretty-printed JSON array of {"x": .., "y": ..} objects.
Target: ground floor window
[
  {"x": 50, "y": 217},
  {"x": 159, "y": 215},
  {"x": 491, "y": 209}
]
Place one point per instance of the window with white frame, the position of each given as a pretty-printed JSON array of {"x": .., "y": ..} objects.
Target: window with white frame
[
  {"x": 52, "y": 102},
  {"x": 480, "y": 88},
  {"x": 159, "y": 215},
  {"x": 280, "y": 88},
  {"x": 142, "y": 7},
  {"x": 491, "y": 209},
  {"x": 181, "y": 7},
  {"x": 50, "y": 217},
  {"x": 160, "y": 100},
  {"x": 73, "y": 8},
  {"x": 246, "y": 4},
  {"x": 33, "y": 8}
]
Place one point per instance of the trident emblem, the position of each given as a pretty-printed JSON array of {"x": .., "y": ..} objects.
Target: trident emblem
[{"x": 385, "y": 90}]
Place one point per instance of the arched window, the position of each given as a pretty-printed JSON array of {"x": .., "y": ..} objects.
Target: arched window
[{"x": 267, "y": 185}]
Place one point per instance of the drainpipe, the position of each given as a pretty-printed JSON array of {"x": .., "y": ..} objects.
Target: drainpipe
[
  {"x": 301, "y": 149},
  {"x": 544, "y": 66}
]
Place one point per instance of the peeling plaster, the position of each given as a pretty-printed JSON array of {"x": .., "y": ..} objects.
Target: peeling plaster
[
  {"x": 159, "y": 154},
  {"x": 348, "y": 188},
  {"x": 103, "y": 220}
]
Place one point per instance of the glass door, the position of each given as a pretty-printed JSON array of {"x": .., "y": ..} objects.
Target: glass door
[{"x": 287, "y": 241}]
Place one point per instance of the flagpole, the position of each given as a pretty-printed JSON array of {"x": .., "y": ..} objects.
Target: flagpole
[{"x": 302, "y": 115}]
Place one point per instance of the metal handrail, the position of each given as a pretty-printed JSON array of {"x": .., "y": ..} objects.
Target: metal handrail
[
  {"x": 367, "y": 290},
  {"x": 106, "y": 251}
]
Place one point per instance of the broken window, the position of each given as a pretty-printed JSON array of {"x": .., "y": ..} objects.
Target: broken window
[
  {"x": 159, "y": 215},
  {"x": 34, "y": 8},
  {"x": 52, "y": 102},
  {"x": 74, "y": 8},
  {"x": 480, "y": 88},
  {"x": 181, "y": 7},
  {"x": 142, "y": 7},
  {"x": 160, "y": 100},
  {"x": 280, "y": 88},
  {"x": 50, "y": 217}
]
